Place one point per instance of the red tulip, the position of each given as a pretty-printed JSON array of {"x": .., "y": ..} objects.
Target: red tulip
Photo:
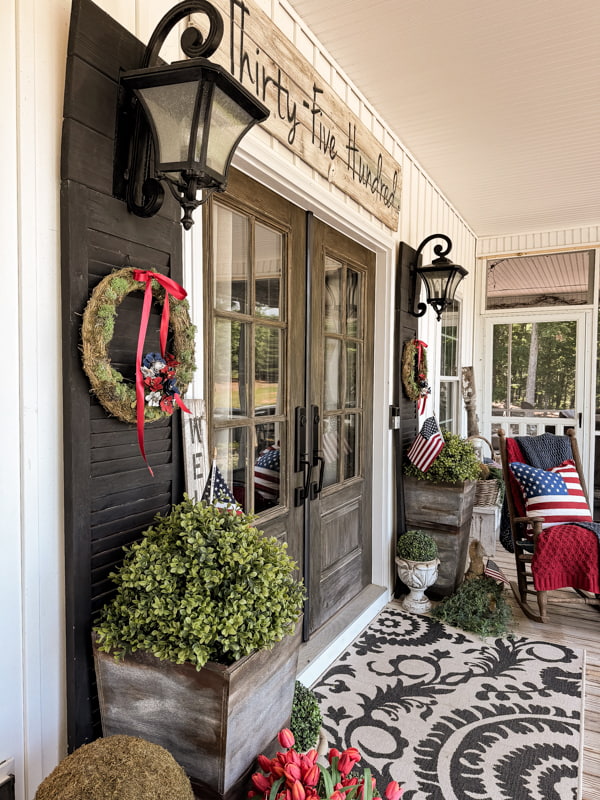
[
  {"x": 311, "y": 778},
  {"x": 393, "y": 791},
  {"x": 338, "y": 796},
  {"x": 262, "y": 783},
  {"x": 333, "y": 753},
  {"x": 345, "y": 764},
  {"x": 277, "y": 769},
  {"x": 292, "y": 773},
  {"x": 264, "y": 763},
  {"x": 286, "y": 738},
  {"x": 298, "y": 792}
]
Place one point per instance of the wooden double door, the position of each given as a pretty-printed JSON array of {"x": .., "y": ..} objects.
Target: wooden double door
[{"x": 289, "y": 321}]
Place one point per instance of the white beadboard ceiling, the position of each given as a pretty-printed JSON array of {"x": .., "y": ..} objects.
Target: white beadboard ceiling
[{"x": 498, "y": 100}]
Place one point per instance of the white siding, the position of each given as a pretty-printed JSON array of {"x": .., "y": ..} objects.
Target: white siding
[{"x": 33, "y": 38}]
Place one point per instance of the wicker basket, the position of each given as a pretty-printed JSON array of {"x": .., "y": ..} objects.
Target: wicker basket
[{"x": 486, "y": 492}]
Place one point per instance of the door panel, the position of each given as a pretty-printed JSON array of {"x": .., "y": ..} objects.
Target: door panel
[
  {"x": 341, "y": 380},
  {"x": 256, "y": 297},
  {"x": 290, "y": 404},
  {"x": 536, "y": 381}
]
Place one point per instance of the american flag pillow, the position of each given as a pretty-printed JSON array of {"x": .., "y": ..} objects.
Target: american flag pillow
[{"x": 554, "y": 494}]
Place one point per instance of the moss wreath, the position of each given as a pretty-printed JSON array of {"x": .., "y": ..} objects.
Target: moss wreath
[
  {"x": 115, "y": 394},
  {"x": 414, "y": 376}
]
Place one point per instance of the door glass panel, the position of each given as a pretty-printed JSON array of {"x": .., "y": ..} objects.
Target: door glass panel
[
  {"x": 249, "y": 367},
  {"x": 230, "y": 259},
  {"x": 268, "y": 256},
  {"x": 353, "y": 302},
  {"x": 350, "y": 446},
  {"x": 352, "y": 374},
  {"x": 230, "y": 388},
  {"x": 333, "y": 295},
  {"x": 534, "y": 369},
  {"x": 267, "y": 466},
  {"x": 449, "y": 340},
  {"x": 448, "y": 405},
  {"x": 332, "y": 373},
  {"x": 267, "y": 361},
  {"x": 232, "y": 457},
  {"x": 331, "y": 438}
]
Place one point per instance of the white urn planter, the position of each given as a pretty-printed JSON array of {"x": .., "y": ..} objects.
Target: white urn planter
[{"x": 418, "y": 576}]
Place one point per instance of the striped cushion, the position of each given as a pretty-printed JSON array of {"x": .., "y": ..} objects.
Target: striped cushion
[{"x": 554, "y": 494}]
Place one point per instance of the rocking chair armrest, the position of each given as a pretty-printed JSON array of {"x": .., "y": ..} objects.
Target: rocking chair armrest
[
  {"x": 529, "y": 520},
  {"x": 535, "y": 523}
]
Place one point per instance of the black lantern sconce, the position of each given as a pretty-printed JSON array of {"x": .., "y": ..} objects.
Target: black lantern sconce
[
  {"x": 188, "y": 118},
  {"x": 441, "y": 278}
]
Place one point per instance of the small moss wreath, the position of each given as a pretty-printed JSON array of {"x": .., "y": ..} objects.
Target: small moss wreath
[
  {"x": 414, "y": 376},
  {"x": 115, "y": 394}
]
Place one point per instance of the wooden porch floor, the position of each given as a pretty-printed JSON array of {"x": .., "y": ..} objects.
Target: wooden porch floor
[{"x": 577, "y": 626}]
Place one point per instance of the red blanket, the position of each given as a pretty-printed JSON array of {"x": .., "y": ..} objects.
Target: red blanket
[{"x": 565, "y": 555}]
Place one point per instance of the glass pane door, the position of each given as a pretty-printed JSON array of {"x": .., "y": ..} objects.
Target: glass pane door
[
  {"x": 536, "y": 380},
  {"x": 249, "y": 367}
]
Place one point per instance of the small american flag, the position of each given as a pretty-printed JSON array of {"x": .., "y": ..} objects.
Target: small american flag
[
  {"x": 492, "y": 570},
  {"x": 427, "y": 446},
  {"x": 218, "y": 493}
]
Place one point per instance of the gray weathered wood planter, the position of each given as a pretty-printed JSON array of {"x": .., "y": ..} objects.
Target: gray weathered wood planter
[
  {"x": 214, "y": 721},
  {"x": 443, "y": 510}
]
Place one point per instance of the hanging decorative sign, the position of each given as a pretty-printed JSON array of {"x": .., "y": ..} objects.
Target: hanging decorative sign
[
  {"x": 414, "y": 372},
  {"x": 161, "y": 378},
  {"x": 307, "y": 116},
  {"x": 195, "y": 449}
]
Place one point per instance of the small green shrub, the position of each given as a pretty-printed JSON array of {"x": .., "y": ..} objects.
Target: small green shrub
[
  {"x": 202, "y": 584},
  {"x": 477, "y": 606},
  {"x": 306, "y": 719},
  {"x": 456, "y": 463},
  {"x": 417, "y": 546}
]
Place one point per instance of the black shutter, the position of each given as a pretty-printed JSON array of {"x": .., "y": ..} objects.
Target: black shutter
[
  {"x": 110, "y": 496},
  {"x": 406, "y": 328}
]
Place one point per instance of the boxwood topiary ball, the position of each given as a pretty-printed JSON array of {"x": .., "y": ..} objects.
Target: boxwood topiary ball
[{"x": 117, "y": 768}]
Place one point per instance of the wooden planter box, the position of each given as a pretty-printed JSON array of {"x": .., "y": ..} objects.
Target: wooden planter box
[
  {"x": 443, "y": 510},
  {"x": 214, "y": 721}
]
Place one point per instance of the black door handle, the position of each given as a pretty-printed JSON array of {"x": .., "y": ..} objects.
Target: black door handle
[
  {"x": 300, "y": 425},
  {"x": 316, "y": 488},
  {"x": 315, "y": 419}
]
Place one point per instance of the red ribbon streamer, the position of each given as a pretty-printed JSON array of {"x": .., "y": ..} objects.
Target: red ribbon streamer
[
  {"x": 179, "y": 293},
  {"x": 420, "y": 345}
]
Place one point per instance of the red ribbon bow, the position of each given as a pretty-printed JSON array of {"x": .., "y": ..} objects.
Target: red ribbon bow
[{"x": 178, "y": 292}]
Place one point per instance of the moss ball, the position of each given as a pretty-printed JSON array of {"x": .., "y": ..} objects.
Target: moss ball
[{"x": 117, "y": 768}]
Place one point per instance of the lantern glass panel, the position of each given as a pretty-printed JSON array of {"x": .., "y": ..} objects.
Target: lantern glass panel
[
  {"x": 437, "y": 282},
  {"x": 171, "y": 109},
  {"x": 228, "y": 122}
]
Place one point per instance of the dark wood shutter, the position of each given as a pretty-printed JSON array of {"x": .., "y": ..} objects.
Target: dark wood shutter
[
  {"x": 110, "y": 496},
  {"x": 406, "y": 328}
]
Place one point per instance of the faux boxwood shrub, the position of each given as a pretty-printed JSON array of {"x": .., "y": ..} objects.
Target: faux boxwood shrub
[
  {"x": 202, "y": 584},
  {"x": 456, "y": 463},
  {"x": 306, "y": 719},
  {"x": 477, "y": 606},
  {"x": 417, "y": 546}
]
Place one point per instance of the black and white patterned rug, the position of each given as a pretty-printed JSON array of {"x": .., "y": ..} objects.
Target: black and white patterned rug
[{"x": 455, "y": 718}]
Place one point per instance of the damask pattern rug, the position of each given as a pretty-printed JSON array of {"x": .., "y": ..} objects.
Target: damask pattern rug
[{"x": 453, "y": 717}]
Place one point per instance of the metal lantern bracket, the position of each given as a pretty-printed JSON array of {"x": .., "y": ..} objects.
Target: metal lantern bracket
[
  {"x": 441, "y": 278},
  {"x": 138, "y": 178}
]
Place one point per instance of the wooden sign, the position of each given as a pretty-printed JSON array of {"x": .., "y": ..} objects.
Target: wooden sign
[
  {"x": 307, "y": 117},
  {"x": 195, "y": 448}
]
